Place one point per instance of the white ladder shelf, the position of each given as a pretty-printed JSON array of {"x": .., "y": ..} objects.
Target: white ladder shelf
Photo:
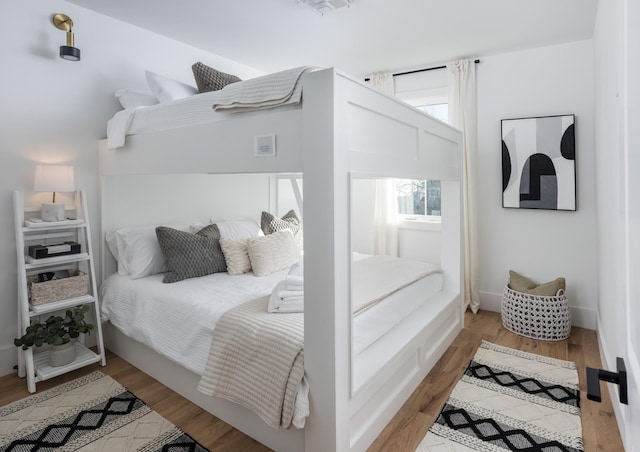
[{"x": 34, "y": 364}]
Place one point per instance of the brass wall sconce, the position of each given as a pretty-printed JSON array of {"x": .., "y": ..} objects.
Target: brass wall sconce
[{"x": 64, "y": 23}]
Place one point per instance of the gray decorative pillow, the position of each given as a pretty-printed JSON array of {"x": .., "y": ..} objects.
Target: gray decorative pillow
[
  {"x": 270, "y": 223},
  {"x": 210, "y": 79},
  {"x": 289, "y": 221},
  {"x": 190, "y": 255}
]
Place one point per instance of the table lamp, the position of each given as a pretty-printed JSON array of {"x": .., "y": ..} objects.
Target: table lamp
[{"x": 53, "y": 178}]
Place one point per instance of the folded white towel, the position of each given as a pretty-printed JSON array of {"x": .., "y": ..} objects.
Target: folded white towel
[
  {"x": 292, "y": 299},
  {"x": 295, "y": 280},
  {"x": 283, "y": 293},
  {"x": 277, "y": 304},
  {"x": 295, "y": 287}
]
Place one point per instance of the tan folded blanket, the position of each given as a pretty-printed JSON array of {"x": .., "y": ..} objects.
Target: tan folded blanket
[
  {"x": 280, "y": 88},
  {"x": 257, "y": 360}
]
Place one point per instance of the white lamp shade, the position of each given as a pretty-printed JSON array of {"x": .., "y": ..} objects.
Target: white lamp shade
[{"x": 54, "y": 178}]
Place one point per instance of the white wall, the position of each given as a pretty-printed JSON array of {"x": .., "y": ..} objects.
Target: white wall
[
  {"x": 54, "y": 111},
  {"x": 543, "y": 244},
  {"x": 617, "y": 197}
]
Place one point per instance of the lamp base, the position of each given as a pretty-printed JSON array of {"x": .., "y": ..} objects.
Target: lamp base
[{"x": 53, "y": 212}]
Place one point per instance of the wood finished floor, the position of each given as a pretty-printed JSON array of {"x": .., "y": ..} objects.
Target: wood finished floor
[{"x": 410, "y": 424}]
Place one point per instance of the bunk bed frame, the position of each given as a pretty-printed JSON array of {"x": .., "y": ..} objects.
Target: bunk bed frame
[{"x": 343, "y": 130}]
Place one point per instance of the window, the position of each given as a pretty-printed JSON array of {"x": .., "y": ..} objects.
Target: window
[
  {"x": 440, "y": 111},
  {"x": 418, "y": 197}
]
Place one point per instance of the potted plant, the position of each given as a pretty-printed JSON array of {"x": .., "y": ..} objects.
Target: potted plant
[{"x": 58, "y": 332}]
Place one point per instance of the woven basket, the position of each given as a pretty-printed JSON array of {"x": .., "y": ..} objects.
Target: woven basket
[
  {"x": 75, "y": 285},
  {"x": 536, "y": 316}
]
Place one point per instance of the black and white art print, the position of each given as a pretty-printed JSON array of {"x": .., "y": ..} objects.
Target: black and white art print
[{"x": 538, "y": 163}]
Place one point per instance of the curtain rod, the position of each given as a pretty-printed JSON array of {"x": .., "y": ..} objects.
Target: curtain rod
[{"x": 419, "y": 70}]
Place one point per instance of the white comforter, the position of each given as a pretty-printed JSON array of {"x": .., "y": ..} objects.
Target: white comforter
[
  {"x": 178, "y": 319},
  {"x": 377, "y": 277}
]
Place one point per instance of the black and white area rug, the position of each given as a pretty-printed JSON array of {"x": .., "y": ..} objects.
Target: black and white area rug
[
  {"x": 510, "y": 400},
  {"x": 91, "y": 413}
]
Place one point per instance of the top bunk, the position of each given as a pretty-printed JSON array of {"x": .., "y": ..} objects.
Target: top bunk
[{"x": 380, "y": 134}]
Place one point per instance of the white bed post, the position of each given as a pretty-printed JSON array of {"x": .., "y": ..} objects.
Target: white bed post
[{"x": 327, "y": 264}]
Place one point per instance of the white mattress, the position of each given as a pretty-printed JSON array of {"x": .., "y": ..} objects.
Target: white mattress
[
  {"x": 177, "y": 320},
  {"x": 372, "y": 323}
]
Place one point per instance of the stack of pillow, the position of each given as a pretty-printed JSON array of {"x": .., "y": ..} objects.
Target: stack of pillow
[
  {"x": 189, "y": 251},
  {"x": 164, "y": 89}
]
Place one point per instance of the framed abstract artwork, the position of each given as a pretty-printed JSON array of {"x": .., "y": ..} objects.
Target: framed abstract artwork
[{"x": 538, "y": 163}]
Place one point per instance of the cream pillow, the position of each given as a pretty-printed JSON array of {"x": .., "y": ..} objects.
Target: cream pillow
[
  {"x": 523, "y": 284},
  {"x": 271, "y": 253},
  {"x": 236, "y": 255}
]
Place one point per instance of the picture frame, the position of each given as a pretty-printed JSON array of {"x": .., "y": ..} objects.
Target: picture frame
[{"x": 538, "y": 163}]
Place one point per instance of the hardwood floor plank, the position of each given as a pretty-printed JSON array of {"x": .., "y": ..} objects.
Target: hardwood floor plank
[{"x": 408, "y": 427}]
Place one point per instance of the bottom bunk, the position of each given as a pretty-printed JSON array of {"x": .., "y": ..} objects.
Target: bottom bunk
[{"x": 166, "y": 331}]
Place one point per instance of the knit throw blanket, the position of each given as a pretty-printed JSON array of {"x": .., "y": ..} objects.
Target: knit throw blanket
[{"x": 257, "y": 360}]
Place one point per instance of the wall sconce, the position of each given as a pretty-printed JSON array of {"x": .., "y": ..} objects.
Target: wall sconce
[
  {"x": 53, "y": 178},
  {"x": 64, "y": 23}
]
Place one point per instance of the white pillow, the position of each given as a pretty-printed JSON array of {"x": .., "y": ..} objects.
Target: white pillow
[
  {"x": 273, "y": 252},
  {"x": 239, "y": 229},
  {"x": 235, "y": 255},
  {"x": 166, "y": 89},
  {"x": 137, "y": 250},
  {"x": 116, "y": 249},
  {"x": 133, "y": 98}
]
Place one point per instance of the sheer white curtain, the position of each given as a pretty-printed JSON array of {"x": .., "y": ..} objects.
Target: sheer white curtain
[
  {"x": 386, "y": 208},
  {"x": 385, "y": 221},
  {"x": 384, "y": 83},
  {"x": 462, "y": 114}
]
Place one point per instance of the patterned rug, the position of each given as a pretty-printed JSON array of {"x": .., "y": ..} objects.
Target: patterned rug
[
  {"x": 91, "y": 413},
  {"x": 510, "y": 400}
]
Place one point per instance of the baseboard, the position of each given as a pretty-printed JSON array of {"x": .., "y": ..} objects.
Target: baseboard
[
  {"x": 581, "y": 317},
  {"x": 8, "y": 359}
]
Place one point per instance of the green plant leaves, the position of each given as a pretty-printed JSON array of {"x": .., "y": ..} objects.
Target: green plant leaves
[{"x": 56, "y": 330}]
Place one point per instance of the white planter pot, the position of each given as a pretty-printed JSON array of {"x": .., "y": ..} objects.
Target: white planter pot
[{"x": 61, "y": 355}]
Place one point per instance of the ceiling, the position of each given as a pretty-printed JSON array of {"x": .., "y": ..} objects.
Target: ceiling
[{"x": 370, "y": 36}]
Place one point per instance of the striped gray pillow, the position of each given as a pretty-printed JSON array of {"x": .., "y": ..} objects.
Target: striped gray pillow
[{"x": 190, "y": 255}]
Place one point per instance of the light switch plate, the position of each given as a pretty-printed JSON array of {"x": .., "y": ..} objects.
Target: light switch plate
[{"x": 265, "y": 145}]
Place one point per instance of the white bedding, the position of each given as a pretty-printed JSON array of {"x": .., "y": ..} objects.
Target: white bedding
[
  {"x": 155, "y": 313},
  {"x": 177, "y": 320},
  {"x": 199, "y": 109},
  {"x": 371, "y": 324}
]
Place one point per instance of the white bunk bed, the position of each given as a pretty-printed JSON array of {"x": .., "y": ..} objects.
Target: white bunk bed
[{"x": 343, "y": 130}]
